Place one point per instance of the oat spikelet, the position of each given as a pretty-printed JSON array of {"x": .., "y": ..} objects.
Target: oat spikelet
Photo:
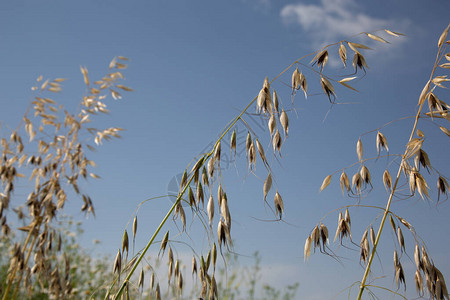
[
  {"x": 134, "y": 228},
  {"x": 357, "y": 182},
  {"x": 422, "y": 186},
  {"x": 284, "y": 122},
  {"x": 442, "y": 186},
  {"x": 387, "y": 180},
  {"x": 233, "y": 142},
  {"x": 248, "y": 141},
  {"x": 307, "y": 250},
  {"x": 393, "y": 33},
  {"x": 393, "y": 226},
  {"x": 344, "y": 182},
  {"x": 417, "y": 258},
  {"x": 272, "y": 124},
  {"x": 295, "y": 82},
  {"x": 377, "y": 38},
  {"x": 365, "y": 175},
  {"x": 210, "y": 209},
  {"x": 325, "y": 183},
  {"x": 401, "y": 240},
  {"x": 125, "y": 242},
  {"x": 321, "y": 59},
  {"x": 304, "y": 85},
  {"x": 418, "y": 280},
  {"x": 327, "y": 88},
  {"x": 118, "y": 263},
  {"x": 194, "y": 265},
  {"x": 261, "y": 151},
  {"x": 84, "y": 71},
  {"x": 251, "y": 157},
  {"x": 275, "y": 101},
  {"x": 372, "y": 235},
  {"x": 164, "y": 242},
  {"x": 343, "y": 54},
  {"x": 359, "y": 62},
  {"x": 381, "y": 143},
  {"x": 276, "y": 142},
  {"x": 443, "y": 36},
  {"x": 267, "y": 185},
  {"x": 359, "y": 149},
  {"x": 413, "y": 146},
  {"x": 211, "y": 167},
  {"x": 279, "y": 207}
]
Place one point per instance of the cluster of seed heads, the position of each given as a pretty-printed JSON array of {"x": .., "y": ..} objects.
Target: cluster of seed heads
[{"x": 54, "y": 159}]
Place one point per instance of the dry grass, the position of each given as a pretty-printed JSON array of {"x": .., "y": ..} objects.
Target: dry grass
[{"x": 61, "y": 155}]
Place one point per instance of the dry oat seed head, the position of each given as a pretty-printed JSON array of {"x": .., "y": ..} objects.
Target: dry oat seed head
[
  {"x": 194, "y": 265},
  {"x": 267, "y": 185},
  {"x": 442, "y": 186},
  {"x": 275, "y": 101},
  {"x": 327, "y": 88},
  {"x": 261, "y": 151},
  {"x": 393, "y": 33},
  {"x": 284, "y": 122},
  {"x": 233, "y": 142},
  {"x": 343, "y": 54},
  {"x": 279, "y": 207},
  {"x": 295, "y": 82},
  {"x": 125, "y": 242},
  {"x": 359, "y": 149},
  {"x": 325, "y": 183},
  {"x": 321, "y": 59},
  {"x": 210, "y": 209},
  {"x": 376, "y": 38},
  {"x": 164, "y": 242},
  {"x": 134, "y": 227},
  {"x": 418, "y": 280},
  {"x": 316, "y": 236},
  {"x": 304, "y": 85},
  {"x": 422, "y": 186},
  {"x": 344, "y": 182},
  {"x": 356, "y": 46},
  {"x": 357, "y": 182},
  {"x": 445, "y": 130},
  {"x": 276, "y": 141},
  {"x": 365, "y": 175},
  {"x": 324, "y": 234},
  {"x": 417, "y": 259},
  {"x": 393, "y": 226},
  {"x": 118, "y": 263},
  {"x": 359, "y": 62},
  {"x": 387, "y": 180},
  {"x": 248, "y": 141},
  {"x": 443, "y": 36},
  {"x": 372, "y": 235},
  {"x": 381, "y": 143},
  {"x": 401, "y": 240},
  {"x": 307, "y": 250},
  {"x": 272, "y": 124}
]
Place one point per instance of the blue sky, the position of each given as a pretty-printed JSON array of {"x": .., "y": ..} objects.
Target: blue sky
[{"x": 193, "y": 66}]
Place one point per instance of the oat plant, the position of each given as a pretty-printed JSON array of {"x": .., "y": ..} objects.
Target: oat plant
[
  {"x": 46, "y": 157},
  {"x": 202, "y": 195}
]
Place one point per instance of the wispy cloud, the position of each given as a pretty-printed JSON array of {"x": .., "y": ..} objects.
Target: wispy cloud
[
  {"x": 259, "y": 5},
  {"x": 333, "y": 19}
]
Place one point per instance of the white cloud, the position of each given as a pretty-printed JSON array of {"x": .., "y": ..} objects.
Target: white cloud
[{"x": 333, "y": 19}]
